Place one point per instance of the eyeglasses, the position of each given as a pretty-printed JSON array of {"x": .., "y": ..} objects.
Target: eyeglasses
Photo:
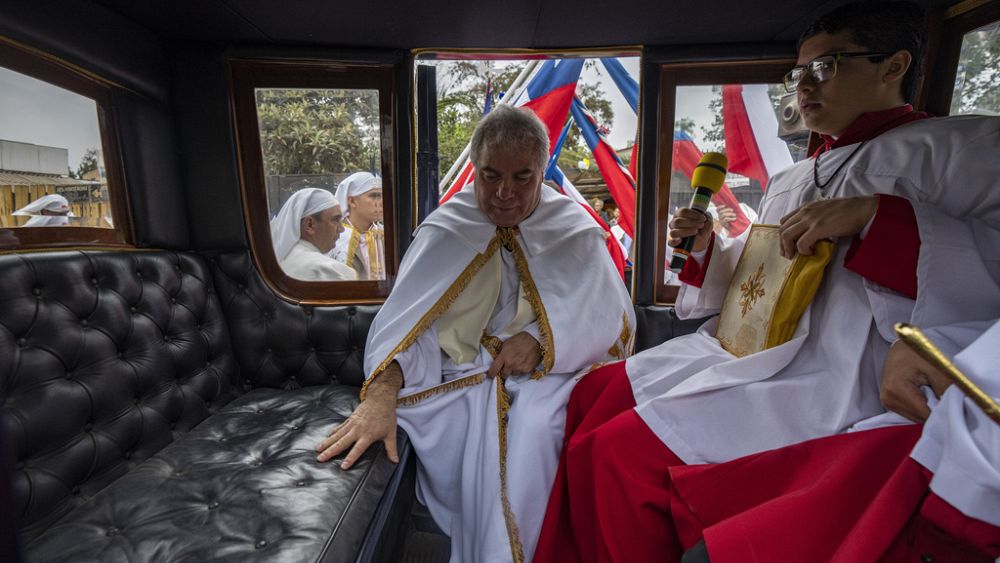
[{"x": 824, "y": 68}]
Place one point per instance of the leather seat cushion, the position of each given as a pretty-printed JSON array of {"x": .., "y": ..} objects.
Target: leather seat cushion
[{"x": 243, "y": 485}]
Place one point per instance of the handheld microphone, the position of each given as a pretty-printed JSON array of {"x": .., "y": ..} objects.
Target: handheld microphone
[{"x": 706, "y": 181}]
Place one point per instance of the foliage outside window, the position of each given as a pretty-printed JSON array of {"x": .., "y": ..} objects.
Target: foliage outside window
[
  {"x": 303, "y": 128},
  {"x": 977, "y": 81}
]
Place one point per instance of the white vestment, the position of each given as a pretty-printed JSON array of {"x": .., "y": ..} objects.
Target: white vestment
[
  {"x": 47, "y": 221},
  {"x": 305, "y": 262},
  {"x": 364, "y": 252},
  {"x": 488, "y": 449},
  {"x": 960, "y": 444},
  {"x": 708, "y": 406}
]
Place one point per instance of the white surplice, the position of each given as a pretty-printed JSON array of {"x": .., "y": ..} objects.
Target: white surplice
[
  {"x": 305, "y": 262},
  {"x": 709, "y": 407},
  {"x": 452, "y": 413}
]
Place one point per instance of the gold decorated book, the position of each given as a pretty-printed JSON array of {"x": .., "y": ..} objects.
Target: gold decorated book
[{"x": 768, "y": 293}]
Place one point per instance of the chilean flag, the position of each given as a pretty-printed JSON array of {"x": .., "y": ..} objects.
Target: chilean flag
[
  {"x": 685, "y": 158},
  {"x": 620, "y": 183},
  {"x": 549, "y": 94},
  {"x": 615, "y": 248},
  {"x": 555, "y": 175},
  {"x": 686, "y": 153},
  {"x": 752, "y": 144}
]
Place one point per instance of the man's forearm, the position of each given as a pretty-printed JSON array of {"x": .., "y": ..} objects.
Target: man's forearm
[{"x": 386, "y": 386}]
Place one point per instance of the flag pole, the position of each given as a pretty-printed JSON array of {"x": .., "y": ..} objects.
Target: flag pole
[{"x": 508, "y": 95}]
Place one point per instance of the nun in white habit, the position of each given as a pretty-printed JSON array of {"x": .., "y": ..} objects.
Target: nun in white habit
[
  {"x": 362, "y": 245},
  {"x": 47, "y": 211},
  {"x": 305, "y": 229}
]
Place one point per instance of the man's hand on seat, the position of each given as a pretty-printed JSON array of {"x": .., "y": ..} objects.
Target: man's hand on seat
[
  {"x": 373, "y": 421},
  {"x": 823, "y": 219},
  {"x": 903, "y": 375},
  {"x": 518, "y": 354}
]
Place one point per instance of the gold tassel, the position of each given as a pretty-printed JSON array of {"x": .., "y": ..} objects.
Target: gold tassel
[{"x": 513, "y": 534}]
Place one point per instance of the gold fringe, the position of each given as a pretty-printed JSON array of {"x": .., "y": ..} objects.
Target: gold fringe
[
  {"x": 453, "y": 385},
  {"x": 491, "y": 343},
  {"x": 352, "y": 245},
  {"x": 513, "y": 534},
  {"x": 616, "y": 352},
  {"x": 626, "y": 337},
  {"x": 544, "y": 330},
  {"x": 435, "y": 311}
]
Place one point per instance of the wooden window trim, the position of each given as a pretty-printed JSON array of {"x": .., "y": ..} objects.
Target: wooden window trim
[
  {"x": 692, "y": 74},
  {"x": 245, "y": 75},
  {"x": 945, "y": 49},
  {"x": 50, "y": 69}
]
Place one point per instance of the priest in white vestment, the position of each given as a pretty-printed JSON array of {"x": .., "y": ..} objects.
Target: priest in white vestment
[
  {"x": 362, "y": 245},
  {"x": 47, "y": 211},
  {"x": 303, "y": 231},
  {"x": 505, "y": 294}
]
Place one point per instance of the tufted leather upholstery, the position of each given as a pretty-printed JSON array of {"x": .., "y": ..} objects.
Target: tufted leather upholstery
[
  {"x": 105, "y": 358},
  {"x": 283, "y": 345},
  {"x": 656, "y": 324},
  {"x": 108, "y": 360},
  {"x": 244, "y": 485}
]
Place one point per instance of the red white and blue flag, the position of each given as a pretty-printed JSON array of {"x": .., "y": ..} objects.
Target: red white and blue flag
[
  {"x": 752, "y": 144},
  {"x": 620, "y": 183},
  {"x": 549, "y": 94},
  {"x": 686, "y": 155}
]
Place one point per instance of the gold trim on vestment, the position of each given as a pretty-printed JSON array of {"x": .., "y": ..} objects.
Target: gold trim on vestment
[
  {"x": 626, "y": 336},
  {"x": 453, "y": 385},
  {"x": 352, "y": 245},
  {"x": 616, "y": 352},
  {"x": 622, "y": 347},
  {"x": 513, "y": 534},
  {"x": 547, "y": 346},
  {"x": 435, "y": 311},
  {"x": 491, "y": 343}
]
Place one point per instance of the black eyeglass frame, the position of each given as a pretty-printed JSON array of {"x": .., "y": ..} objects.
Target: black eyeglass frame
[{"x": 791, "y": 82}]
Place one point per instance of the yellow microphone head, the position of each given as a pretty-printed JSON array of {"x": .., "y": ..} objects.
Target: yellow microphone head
[{"x": 710, "y": 172}]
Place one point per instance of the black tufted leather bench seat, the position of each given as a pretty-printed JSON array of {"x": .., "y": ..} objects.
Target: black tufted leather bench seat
[{"x": 140, "y": 430}]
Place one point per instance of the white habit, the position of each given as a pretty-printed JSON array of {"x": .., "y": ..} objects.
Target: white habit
[
  {"x": 54, "y": 203},
  {"x": 305, "y": 262},
  {"x": 488, "y": 449},
  {"x": 708, "y": 406}
]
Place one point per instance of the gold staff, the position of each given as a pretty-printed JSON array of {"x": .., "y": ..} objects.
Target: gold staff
[{"x": 918, "y": 341}]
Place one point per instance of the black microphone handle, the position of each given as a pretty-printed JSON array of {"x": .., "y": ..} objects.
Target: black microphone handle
[{"x": 699, "y": 202}]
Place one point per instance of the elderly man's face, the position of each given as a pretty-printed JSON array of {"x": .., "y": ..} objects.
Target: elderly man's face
[
  {"x": 508, "y": 184},
  {"x": 323, "y": 229}
]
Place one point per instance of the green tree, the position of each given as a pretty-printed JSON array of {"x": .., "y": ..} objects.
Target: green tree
[
  {"x": 977, "y": 82},
  {"x": 462, "y": 92},
  {"x": 318, "y": 131},
  {"x": 88, "y": 162},
  {"x": 714, "y": 135}
]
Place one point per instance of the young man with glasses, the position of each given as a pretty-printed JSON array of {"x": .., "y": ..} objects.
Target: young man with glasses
[{"x": 911, "y": 205}]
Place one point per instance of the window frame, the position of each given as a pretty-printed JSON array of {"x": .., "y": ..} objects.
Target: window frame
[
  {"x": 672, "y": 75},
  {"x": 52, "y": 70},
  {"x": 245, "y": 76},
  {"x": 944, "y": 49}
]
